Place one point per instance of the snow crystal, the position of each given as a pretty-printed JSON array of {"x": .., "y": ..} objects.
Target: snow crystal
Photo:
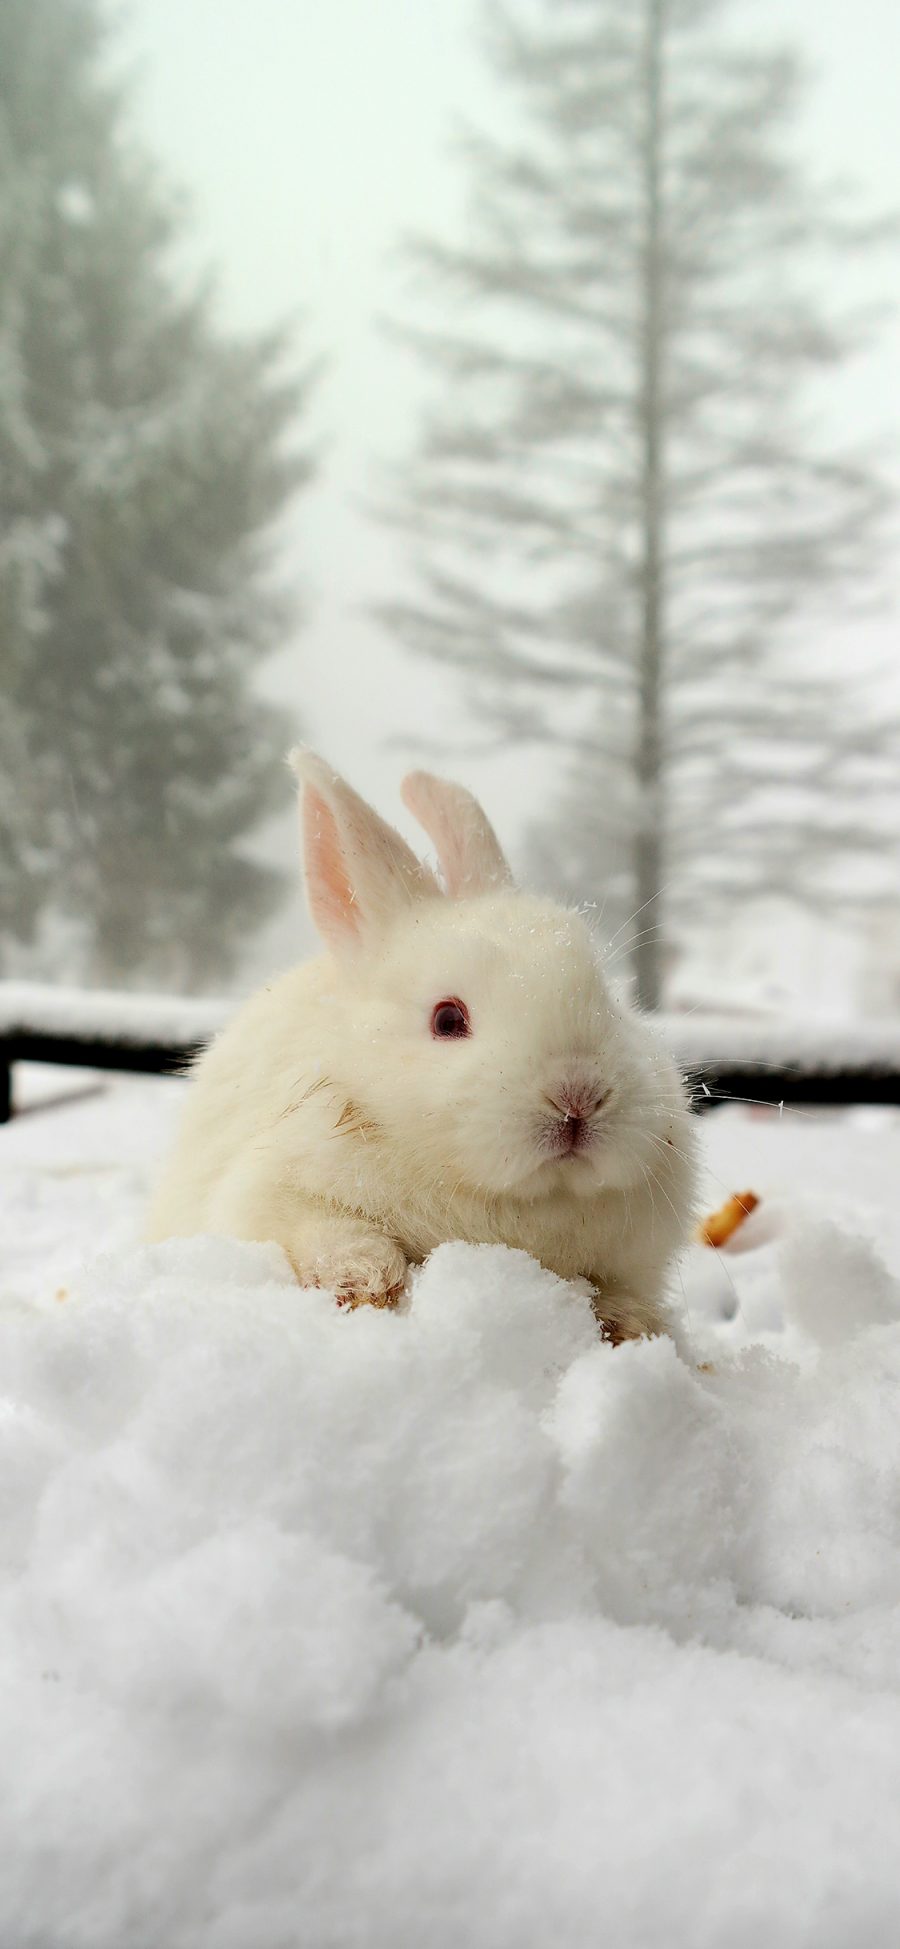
[
  {"x": 75, "y": 203},
  {"x": 454, "y": 1625}
]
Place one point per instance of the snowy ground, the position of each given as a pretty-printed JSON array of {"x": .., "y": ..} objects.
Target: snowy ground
[{"x": 456, "y": 1627}]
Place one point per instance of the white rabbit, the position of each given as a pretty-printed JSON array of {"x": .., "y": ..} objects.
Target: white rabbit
[{"x": 454, "y": 1068}]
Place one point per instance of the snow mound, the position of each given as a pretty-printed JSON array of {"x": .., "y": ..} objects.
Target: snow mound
[{"x": 450, "y": 1626}]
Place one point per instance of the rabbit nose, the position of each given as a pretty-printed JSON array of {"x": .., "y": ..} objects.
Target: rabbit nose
[{"x": 577, "y": 1098}]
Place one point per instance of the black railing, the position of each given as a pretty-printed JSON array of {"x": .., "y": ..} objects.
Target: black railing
[
  {"x": 151, "y": 1034},
  {"x": 153, "y": 1058}
]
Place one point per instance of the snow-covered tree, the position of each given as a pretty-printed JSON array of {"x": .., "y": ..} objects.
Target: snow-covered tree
[
  {"x": 623, "y": 502},
  {"x": 144, "y": 455}
]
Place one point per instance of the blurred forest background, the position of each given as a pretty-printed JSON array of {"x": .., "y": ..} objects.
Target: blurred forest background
[{"x": 512, "y": 391}]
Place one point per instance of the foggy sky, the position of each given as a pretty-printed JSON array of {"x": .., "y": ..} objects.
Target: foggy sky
[{"x": 309, "y": 137}]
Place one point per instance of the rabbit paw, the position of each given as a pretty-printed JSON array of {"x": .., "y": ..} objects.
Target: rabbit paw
[
  {"x": 368, "y": 1272},
  {"x": 621, "y": 1317}
]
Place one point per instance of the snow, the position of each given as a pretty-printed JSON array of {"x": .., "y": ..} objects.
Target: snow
[
  {"x": 75, "y": 203},
  {"x": 811, "y": 1043},
  {"x": 47, "y": 1008},
  {"x": 454, "y": 1626}
]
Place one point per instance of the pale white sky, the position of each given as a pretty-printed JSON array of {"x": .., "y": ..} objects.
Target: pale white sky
[{"x": 309, "y": 134}]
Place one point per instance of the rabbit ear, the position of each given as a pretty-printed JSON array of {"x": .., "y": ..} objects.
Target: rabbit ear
[
  {"x": 359, "y": 872},
  {"x": 467, "y": 846}
]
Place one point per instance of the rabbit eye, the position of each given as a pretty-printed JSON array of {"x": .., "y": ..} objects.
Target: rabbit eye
[{"x": 449, "y": 1019}]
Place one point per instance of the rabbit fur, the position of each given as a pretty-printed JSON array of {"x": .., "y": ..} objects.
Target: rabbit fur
[{"x": 336, "y": 1117}]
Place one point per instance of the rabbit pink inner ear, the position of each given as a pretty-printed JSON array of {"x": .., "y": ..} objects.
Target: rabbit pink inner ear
[
  {"x": 471, "y": 857},
  {"x": 360, "y": 874},
  {"x": 329, "y": 889}
]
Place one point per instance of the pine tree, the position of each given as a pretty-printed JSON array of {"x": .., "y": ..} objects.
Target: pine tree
[
  {"x": 144, "y": 455},
  {"x": 621, "y": 502}
]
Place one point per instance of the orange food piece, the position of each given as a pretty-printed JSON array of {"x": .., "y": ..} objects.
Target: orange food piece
[{"x": 722, "y": 1224}]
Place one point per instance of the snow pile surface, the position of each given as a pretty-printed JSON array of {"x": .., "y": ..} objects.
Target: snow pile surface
[{"x": 455, "y": 1626}]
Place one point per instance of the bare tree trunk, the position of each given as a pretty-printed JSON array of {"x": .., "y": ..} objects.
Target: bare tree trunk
[{"x": 648, "y": 840}]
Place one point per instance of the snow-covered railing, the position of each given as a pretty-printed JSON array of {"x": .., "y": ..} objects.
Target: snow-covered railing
[
  {"x": 783, "y": 1058},
  {"x": 759, "y": 1059},
  {"x": 100, "y": 1029}
]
